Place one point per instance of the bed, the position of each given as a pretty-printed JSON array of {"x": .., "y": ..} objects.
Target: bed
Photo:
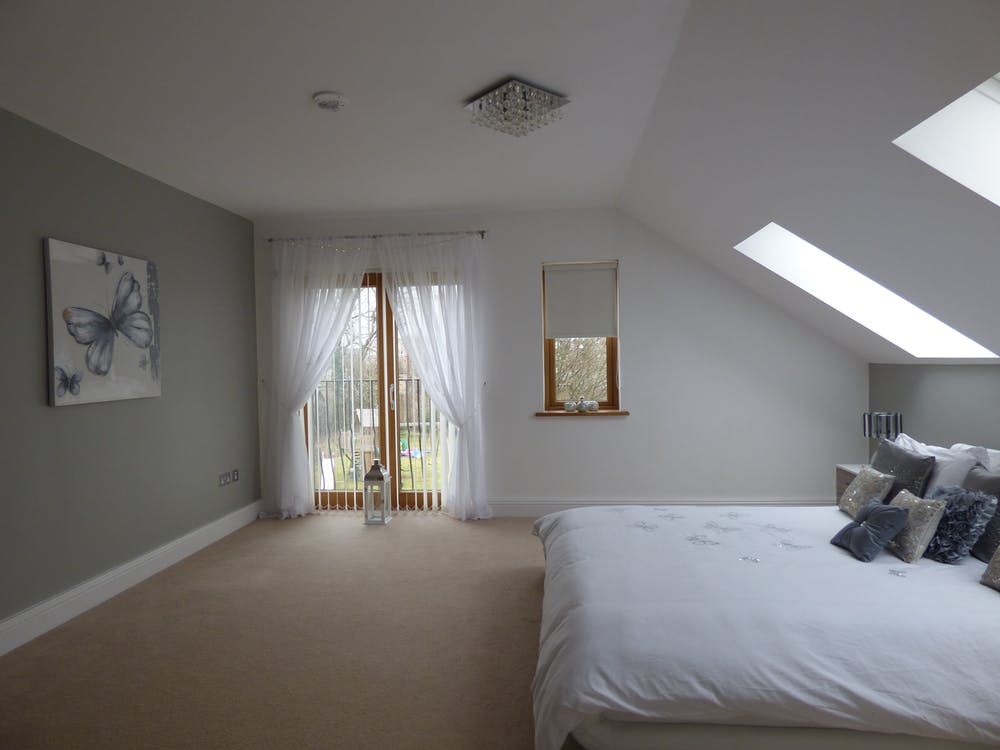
[{"x": 710, "y": 626}]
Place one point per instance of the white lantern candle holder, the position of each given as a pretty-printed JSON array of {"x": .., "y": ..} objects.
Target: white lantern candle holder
[{"x": 378, "y": 495}]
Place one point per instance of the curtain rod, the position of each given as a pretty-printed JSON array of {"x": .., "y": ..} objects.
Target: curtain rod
[{"x": 480, "y": 232}]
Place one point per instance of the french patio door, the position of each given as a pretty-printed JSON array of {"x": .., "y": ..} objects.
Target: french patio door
[{"x": 371, "y": 405}]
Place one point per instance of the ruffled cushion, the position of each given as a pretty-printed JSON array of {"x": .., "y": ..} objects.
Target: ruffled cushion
[
  {"x": 965, "y": 517},
  {"x": 983, "y": 480}
]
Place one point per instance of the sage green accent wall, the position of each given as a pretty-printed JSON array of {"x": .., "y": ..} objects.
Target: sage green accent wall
[
  {"x": 940, "y": 404},
  {"x": 87, "y": 488}
]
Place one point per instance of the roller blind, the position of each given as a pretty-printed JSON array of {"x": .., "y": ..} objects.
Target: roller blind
[{"x": 581, "y": 299}]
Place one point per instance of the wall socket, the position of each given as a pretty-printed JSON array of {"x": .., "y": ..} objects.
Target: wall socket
[{"x": 228, "y": 477}]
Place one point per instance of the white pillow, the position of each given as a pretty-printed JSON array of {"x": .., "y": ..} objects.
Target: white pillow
[
  {"x": 951, "y": 465},
  {"x": 986, "y": 456}
]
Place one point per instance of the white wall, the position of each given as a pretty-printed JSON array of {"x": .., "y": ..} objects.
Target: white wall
[{"x": 730, "y": 398}]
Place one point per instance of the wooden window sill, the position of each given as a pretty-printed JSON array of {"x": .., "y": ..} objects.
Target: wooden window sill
[{"x": 598, "y": 413}]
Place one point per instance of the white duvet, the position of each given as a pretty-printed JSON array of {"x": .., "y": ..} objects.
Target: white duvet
[{"x": 748, "y": 615}]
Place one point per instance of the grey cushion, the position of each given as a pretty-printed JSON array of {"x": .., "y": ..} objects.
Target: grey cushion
[
  {"x": 921, "y": 523},
  {"x": 965, "y": 517},
  {"x": 910, "y": 469},
  {"x": 991, "y": 577},
  {"x": 982, "y": 480},
  {"x": 951, "y": 465},
  {"x": 989, "y": 540},
  {"x": 868, "y": 485},
  {"x": 872, "y": 528},
  {"x": 948, "y": 471}
]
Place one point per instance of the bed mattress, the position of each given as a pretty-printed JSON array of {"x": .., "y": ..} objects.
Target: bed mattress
[{"x": 749, "y": 616}]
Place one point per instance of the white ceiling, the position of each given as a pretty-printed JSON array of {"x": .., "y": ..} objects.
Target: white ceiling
[
  {"x": 705, "y": 123},
  {"x": 215, "y": 97}
]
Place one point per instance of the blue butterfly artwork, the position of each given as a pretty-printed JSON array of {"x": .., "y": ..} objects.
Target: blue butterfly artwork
[
  {"x": 67, "y": 382},
  {"x": 103, "y": 325},
  {"x": 98, "y": 333}
]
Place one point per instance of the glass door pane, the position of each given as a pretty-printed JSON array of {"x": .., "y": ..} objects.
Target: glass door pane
[
  {"x": 425, "y": 439},
  {"x": 345, "y": 411}
]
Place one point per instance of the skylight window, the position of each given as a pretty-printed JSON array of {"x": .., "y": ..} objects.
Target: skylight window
[
  {"x": 963, "y": 140},
  {"x": 856, "y": 296}
]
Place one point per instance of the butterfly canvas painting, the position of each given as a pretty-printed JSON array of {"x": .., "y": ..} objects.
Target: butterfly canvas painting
[{"x": 103, "y": 325}]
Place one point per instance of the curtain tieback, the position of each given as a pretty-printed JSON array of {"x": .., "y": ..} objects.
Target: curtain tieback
[
  {"x": 475, "y": 413},
  {"x": 296, "y": 410}
]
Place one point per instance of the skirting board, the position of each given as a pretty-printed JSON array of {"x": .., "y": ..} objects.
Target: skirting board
[
  {"x": 18, "y": 629},
  {"x": 535, "y": 507}
]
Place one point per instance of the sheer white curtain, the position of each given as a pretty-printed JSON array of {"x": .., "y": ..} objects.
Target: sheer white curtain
[
  {"x": 431, "y": 286},
  {"x": 314, "y": 287}
]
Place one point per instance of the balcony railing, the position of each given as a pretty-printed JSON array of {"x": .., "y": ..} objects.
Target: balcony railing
[{"x": 344, "y": 435}]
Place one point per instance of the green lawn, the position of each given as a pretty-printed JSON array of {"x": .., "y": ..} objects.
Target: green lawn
[{"x": 415, "y": 473}]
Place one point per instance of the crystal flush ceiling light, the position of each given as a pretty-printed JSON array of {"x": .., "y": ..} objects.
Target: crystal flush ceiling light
[{"x": 516, "y": 108}]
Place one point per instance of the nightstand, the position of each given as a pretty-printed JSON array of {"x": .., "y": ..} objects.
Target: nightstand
[{"x": 845, "y": 475}]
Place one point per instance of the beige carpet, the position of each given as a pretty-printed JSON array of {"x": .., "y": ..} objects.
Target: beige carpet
[{"x": 311, "y": 633}]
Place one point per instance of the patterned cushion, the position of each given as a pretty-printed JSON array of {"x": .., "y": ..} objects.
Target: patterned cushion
[
  {"x": 910, "y": 469},
  {"x": 991, "y": 577},
  {"x": 872, "y": 528},
  {"x": 982, "y": 480},
  {"x": 868, "y": 485},
  {"x": 964, "y": 520},
  {"x": 921, "y": 523}
]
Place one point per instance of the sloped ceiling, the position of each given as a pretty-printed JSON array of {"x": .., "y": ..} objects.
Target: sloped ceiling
[
  {"x": 785, "y": 111},
  {"x": 703, "y": 122}
]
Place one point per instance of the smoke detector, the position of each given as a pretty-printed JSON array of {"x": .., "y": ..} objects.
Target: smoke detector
[{"x": 330, "y": 100}]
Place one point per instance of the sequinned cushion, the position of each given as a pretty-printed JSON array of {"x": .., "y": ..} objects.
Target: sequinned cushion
[
  {"x": 910, "y": 469},
  {"x": 868, "y": 485},
  {"x": 991, "y": 577},
  {"x": 921, "y": 523},
  {"x": 982, "y": 480},
  {"x": 965, "y": 517},
  {"x": 873, "y": 527}
]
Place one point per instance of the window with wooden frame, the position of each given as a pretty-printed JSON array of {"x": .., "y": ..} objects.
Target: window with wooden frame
[{"x": 580, "y": 304}]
